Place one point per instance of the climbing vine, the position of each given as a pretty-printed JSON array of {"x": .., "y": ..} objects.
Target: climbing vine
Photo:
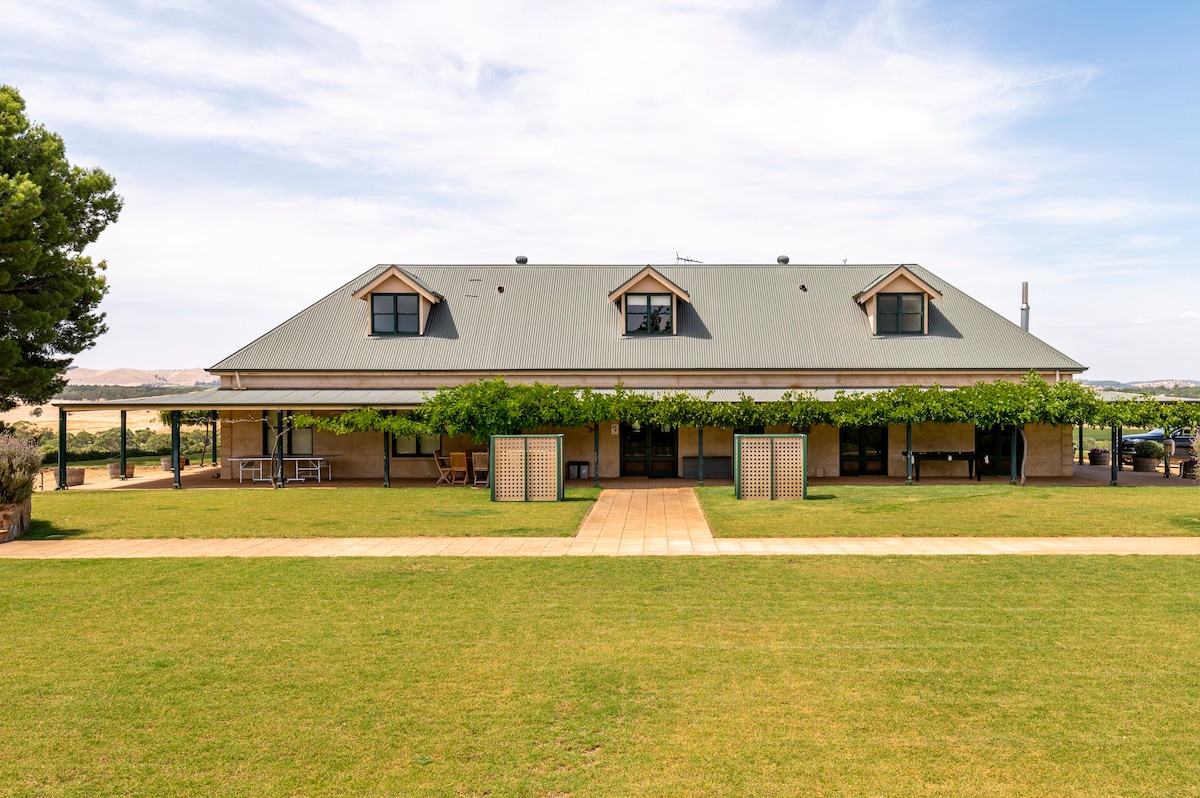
[{"x": 497, "y": 407}]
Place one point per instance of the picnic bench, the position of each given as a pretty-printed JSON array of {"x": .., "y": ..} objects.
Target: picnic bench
[{"x": 975, "y": 462}]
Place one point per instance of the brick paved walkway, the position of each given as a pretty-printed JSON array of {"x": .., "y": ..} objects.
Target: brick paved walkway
[{"x": 658, "y": 521}]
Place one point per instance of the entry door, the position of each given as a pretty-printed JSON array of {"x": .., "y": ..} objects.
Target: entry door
[
  {"x": 864, "y": 451},
  {"x": 996, "y": 443},
  {"x": 648, "y": 451}
]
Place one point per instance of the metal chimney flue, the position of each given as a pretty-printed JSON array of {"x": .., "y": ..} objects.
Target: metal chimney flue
[{"x": 1025, "y": 307}]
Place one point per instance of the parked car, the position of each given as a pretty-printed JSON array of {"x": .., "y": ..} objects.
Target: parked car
[{"x": 1184, "y": 438}]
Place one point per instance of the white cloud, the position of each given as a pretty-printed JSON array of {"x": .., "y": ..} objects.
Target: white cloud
[{"x": 570, "y": 132}]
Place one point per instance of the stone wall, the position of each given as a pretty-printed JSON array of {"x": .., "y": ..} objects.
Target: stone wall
[{"x": 14, "y": 520}]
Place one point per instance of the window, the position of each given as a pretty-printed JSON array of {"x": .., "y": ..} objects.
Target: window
[
  {"x": 416, "y": 446},
  {"x": 647, "y": 314},
  {"x": 395, "y": 314},
  {"x": 900, "y": 313},
  {"x": 294, "y": 441}
]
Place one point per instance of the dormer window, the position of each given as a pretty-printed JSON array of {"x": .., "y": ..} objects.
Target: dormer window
[
  {"x": 395, "y": 314},
  {"x": 900, "y": 313},
  {"x": 649, "y": 303},
  {"x": 397, "y": 303},
  {"x": 648, "y": 314},
  {"x": 897, "y": 303}
]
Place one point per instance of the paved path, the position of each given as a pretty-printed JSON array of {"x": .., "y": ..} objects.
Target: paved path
[{"x": 659, "y": 521}]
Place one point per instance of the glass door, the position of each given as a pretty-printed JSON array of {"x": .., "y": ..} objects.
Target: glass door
[
  {"x": 648, "y": 451},
  {"x": 863, "y": 451},
  {"x": 996, "y": 443}
]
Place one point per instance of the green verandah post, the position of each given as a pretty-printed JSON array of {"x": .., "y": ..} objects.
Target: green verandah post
[
  {"x": 387, "y": 457},
  {"x": 1012, "y": 458},
  {"x": 908, "y": 455},
  {"x": 595, "y": 456},
  {"x": 1115, "y": 459},
  {"x": 700, "y": 459},
  {"x": 62, "y": 449},
  {"x": 177, "y": 480},
  {"x": 277, "y": 452},
  {"x": 123, "y": 441}
]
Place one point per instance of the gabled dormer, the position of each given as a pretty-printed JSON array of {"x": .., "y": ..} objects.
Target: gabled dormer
[
  {"x": 897, "y": 303},
  {"x": 397, "y": 303},
  {"x": 649, "y": 304}
]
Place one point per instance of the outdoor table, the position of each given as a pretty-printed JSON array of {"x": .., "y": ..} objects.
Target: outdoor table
[
  {"x": 975, "y": 462},
  {"x": 304, "y": 465}
]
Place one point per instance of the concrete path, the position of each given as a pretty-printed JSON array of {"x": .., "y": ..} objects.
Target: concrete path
[{"x": 649, "y": 522}]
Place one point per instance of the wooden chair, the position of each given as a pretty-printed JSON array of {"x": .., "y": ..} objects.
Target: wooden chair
[
  {"x": 479, "y": 464},
  {"x": 443, "y": 467},
  {"x": 458, "y": 465}
]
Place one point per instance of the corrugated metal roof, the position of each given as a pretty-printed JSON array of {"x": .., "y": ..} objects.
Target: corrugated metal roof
[
  {"x": 258, "y": 398},
  {"x": 558, "y": 318},
  {"x": 336, "y": 398}
]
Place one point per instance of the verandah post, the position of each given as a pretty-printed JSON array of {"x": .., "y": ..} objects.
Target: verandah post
[
  {"x": 908, "y": 455},
  {"x": 123, "y": 441},
  {"x": 387, "y": 457},
  {"x": 175, "y": 459},
  {"x": 1081, "y": 443},
  {"x": 1115, "y": 459},
  {"x": 62, "y": 449},
  {"x": 277, "y": 453},
  {"x": 1012, "y": 458},
  {"x": 700, "y": 451},
  {"x": 595, "y": 455}
]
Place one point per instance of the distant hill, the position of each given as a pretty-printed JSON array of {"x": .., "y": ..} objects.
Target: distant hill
[
  {"x": 1166, "y": 384},
  {"x": 185, "y": 377}
]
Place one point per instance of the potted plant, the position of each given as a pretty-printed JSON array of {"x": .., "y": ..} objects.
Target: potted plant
[
  {"x": 19, "y": 464},
  {"x": 1099, "y": 456},
  {"x": 1147, "y": 455}
]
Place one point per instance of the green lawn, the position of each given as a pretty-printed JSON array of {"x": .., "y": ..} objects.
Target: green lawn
[
  {"x": 999, "y": 676},
  {"x": 361, "y": 512},
  {"x": 957, "y": 510}
]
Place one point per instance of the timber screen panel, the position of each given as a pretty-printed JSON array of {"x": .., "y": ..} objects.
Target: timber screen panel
[
  {"x": 527, "y": 468},
  {"x": 770, "y": 466}
]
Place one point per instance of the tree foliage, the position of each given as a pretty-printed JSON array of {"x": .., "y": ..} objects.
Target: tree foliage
[
  {"x": 49, "y": 290},
  {"x": 496, "y": 407}
]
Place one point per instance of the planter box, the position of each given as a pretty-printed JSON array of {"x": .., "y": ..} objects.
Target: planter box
[
  {"x": 14, "y": 520},
  {"x": 114, "y": 470},
  {"x": 165, "y": 462},
  {"x": 1145, "y": 464},
  {"x": 1100, "y": 458}
]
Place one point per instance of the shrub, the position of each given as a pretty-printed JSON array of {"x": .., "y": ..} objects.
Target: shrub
[
  {"x": 1148, "y": 449},
  {"x": 19, "y": 463}
]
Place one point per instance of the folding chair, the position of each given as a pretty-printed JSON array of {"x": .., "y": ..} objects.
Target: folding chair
[
  {"x": 458, "y": 465},
  {"x": 443, "y": 467},
  {"x": 479, "y": 464}
]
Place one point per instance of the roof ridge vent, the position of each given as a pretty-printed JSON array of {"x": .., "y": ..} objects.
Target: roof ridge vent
[
  {"x": 783, "y": 260},
  {"x": 522, "y": 260}
]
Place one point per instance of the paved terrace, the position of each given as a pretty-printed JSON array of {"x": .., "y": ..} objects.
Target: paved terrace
[{"x": 623, "y": 522}]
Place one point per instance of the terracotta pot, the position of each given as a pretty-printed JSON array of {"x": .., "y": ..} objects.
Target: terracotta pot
[
  {"x": 1145, "y": 464},
  {"x": 1100, "y": 458}
]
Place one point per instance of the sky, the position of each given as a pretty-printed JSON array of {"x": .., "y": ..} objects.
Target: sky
[{"x": 270, "y": 152}]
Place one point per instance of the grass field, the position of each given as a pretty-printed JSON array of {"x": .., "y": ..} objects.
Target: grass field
[
  {"x": 598, "y": 677},
  {"x": 361, "y": 512},
  {"x": 957, "y": 510}
]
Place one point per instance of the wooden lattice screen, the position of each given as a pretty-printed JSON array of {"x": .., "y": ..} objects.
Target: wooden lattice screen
[
  {"x": 770, "y": 466},
  {"x": 527, "y": 468}
]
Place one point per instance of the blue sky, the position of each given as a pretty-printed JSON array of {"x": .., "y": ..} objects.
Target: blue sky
[{"x": 269, "y": 152}]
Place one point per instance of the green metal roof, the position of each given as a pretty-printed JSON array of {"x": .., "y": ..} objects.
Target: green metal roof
[{"x": 502, "y": 319}]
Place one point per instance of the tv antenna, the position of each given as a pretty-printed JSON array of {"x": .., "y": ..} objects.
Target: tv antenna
[{"x": 681, "y": 259}]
